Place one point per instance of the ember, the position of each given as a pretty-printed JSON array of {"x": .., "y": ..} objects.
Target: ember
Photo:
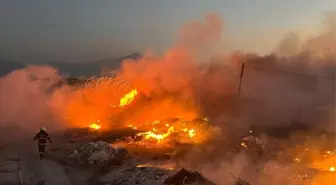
[
  {"x": 243, "y": 145},
  {"x": 95, "y": 126}
]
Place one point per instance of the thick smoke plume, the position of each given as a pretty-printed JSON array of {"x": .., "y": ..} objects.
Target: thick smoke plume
[
  {"x": 26, "y": 97},
  {"x": 279, "y": 89}
]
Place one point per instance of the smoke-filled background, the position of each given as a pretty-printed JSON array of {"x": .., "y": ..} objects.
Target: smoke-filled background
[{"x": 197, "y": 77}]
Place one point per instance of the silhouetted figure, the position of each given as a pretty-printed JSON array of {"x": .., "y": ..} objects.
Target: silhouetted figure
[{"x": 42, "y": 137}]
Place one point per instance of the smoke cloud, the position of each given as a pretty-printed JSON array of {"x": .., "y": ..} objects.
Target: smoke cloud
[{"x": 26, "y": 98}]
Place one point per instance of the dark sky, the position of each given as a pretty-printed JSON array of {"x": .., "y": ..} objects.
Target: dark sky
[{"x": 84, "y": 30}]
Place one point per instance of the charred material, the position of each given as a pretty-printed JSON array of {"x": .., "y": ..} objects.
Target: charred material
[
  {"x": 240, "y": 181},
  {"x": 184, "y": 177},
  {"x": 98, "y": 153}
]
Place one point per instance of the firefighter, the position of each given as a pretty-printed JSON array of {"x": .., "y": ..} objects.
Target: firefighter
[{"x": 42, "y": 137}]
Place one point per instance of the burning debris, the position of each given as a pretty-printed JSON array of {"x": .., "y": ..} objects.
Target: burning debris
[
  {"x": 171, "y": 130},
  {"x": 113, "y": 96}
]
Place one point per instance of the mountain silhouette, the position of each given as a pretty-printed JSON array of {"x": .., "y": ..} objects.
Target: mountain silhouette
[
  {"x": 72, "y": 69},
  {"x": 8, "y": 66}
]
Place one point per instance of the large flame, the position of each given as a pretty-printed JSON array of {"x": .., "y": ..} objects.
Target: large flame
[{"x": 166, "y": 86}]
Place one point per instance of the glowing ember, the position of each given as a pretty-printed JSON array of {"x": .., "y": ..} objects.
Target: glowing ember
[
  {"x": 159, "y": 137},
  {"x": 329, "y": 152},
  {"x": 297, "y": 160},
  {"x": 164, "y": 132},
  {"x": 332, "y": 169},
  {"x": 192, "y": 133},
  {"x": 95, "y": 126},
  {"x": 166, "y": 166},
  {"x": 128, "y": 98}
]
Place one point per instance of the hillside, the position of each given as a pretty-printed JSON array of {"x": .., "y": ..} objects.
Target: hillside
[{"x": 72, "y": 69}]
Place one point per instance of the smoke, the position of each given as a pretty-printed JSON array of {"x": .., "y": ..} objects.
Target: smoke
[
  {"x": 299, "y": 72},
  {"x": 293, "y": 85},
  {"x": 303, "y": 75},
  {"x": 28, "y": 100}
]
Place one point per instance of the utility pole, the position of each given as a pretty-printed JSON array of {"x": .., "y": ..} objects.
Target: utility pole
[{"x": 241, "y": 77}]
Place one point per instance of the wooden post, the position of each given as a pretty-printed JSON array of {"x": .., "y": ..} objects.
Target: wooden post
[{"x": 241, "y": 77}]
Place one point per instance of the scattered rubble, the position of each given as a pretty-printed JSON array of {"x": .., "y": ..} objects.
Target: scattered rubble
[
  {"x": 153, "y": 176},
  {"x": 99, "y": 153},
  {"x": 149, "y": 167},
  {"x": 240, "y": 181},
  {"x": 136, "y": 175},
  {"x": 184, "y": 177}
]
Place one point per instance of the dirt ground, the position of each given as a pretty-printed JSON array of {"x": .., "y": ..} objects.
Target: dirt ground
[{"x": 19, "y": 159}]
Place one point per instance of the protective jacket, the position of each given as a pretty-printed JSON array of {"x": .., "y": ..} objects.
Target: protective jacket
[{"x": 42, "y": 137}]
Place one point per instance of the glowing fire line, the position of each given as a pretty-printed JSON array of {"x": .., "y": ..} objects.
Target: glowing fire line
[{"x": 179, "y": 130}]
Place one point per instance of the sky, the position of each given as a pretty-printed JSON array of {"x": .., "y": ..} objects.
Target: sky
[{"x": 86, "y": 30}]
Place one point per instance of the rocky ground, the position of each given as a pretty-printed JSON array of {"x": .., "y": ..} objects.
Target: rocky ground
[
  {"x": 86, "y": 160},
  {"x": 82, "y": 162}
]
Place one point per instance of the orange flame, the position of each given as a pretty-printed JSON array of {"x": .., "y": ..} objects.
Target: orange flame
[
  {"x": 166, "y": 83},
  {"x": 195, "y": 131},
  {"x": 95, "y": 126}
]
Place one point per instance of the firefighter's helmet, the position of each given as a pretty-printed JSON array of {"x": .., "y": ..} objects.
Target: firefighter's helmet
[{"x": 43, "y": 129}]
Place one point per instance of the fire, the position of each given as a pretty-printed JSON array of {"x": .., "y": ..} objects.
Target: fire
[
  {"x": 326, "y": 163},
  {"x": 159, "y": 137},
  {"x": 168, "y": 84},
  {"x": 179, "y": 130},
  {"x": 111, "y": 91},
  {"x": 192, "y": 133},
  {"x": 95, "y": 126},
  {"x": 128, "y": 98},
  {"x": 166, "y": 166}
]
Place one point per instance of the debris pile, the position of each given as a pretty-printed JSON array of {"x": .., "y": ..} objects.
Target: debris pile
[
  {"x": 240, "y": 181},
  {"x": 183, "y": 177},
  {"x": 99, "y": 153},
  {"x": 253, "y": 141},
  {"x": 136, "y": 175}
]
